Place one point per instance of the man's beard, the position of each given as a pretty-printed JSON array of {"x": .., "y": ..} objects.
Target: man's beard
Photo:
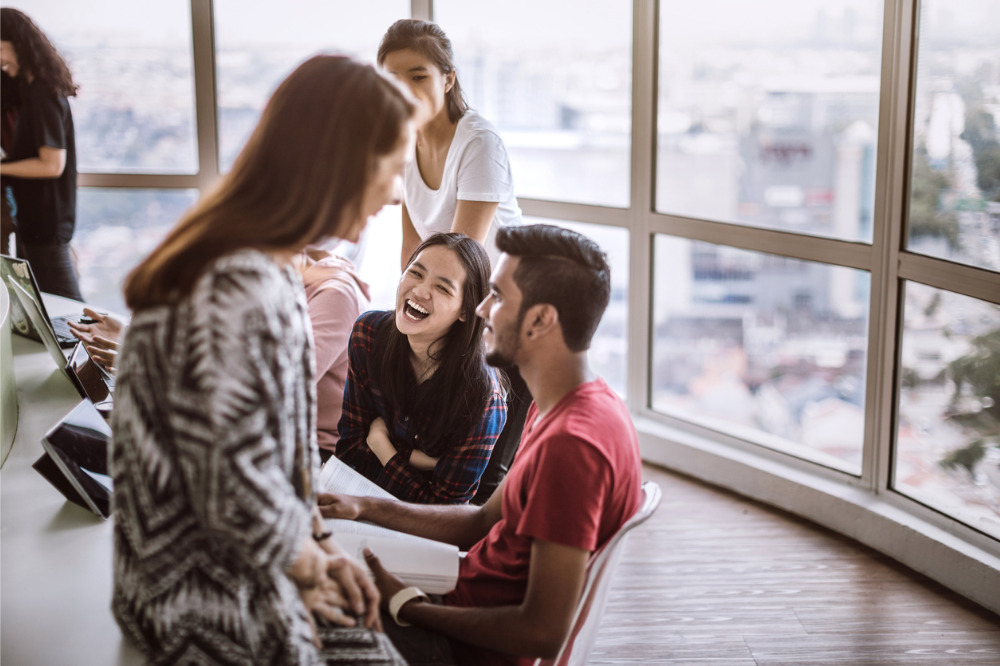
[{"x": 497, "y": 359}]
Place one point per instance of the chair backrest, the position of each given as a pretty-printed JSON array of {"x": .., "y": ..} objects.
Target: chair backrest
[{"x": 600, "y": 568}]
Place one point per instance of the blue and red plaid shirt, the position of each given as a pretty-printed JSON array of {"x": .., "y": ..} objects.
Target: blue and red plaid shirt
[{"x": 461, "y": 462}]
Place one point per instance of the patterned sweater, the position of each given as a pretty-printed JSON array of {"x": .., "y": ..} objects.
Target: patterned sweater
[{"x": 211, "y": 457}]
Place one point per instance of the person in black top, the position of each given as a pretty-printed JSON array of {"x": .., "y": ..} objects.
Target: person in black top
[{"x": 41, "y": 164}]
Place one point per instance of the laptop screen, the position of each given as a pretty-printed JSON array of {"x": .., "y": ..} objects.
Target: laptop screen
[
  {"x": 78, "y": 445},
  {"x": 90, "y": 379},
  {"x": 36, "y": 315},
  {"x": 17, "y": 272}
]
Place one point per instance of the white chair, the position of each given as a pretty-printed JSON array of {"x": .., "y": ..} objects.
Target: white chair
[{"x": 600, "y": 568}]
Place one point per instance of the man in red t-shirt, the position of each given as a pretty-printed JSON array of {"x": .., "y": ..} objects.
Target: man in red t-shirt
[{"x": 575, "y": 481}]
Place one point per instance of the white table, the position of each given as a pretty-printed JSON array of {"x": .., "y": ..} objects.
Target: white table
[{"x": 55, "y": 557}]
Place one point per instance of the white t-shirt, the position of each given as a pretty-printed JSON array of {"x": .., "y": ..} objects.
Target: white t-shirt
[{"x": 476, "y": 169}]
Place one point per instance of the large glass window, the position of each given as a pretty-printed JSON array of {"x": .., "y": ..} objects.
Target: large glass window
[
  {"x": 115, "y": 230},
  {"x": 767, "y": 348},
  {"x": 954, "y": 208},
  {"x": 768, "y": 116},
  {"x": 555, "y": 78},
  {"x": 948, "y": 426},
  {"x": 133, "y": 61},
  {"x": 254, "y": 53}
]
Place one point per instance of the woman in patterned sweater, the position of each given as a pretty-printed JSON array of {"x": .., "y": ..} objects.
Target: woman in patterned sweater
[
  {"x": 220, "y": 554},
  {"x": 422, "y": 409}
]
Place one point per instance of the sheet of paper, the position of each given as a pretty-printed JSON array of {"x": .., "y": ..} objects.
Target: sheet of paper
[
  {"x": 430, "y": 565},
  {"x": 336, "y": 477}
]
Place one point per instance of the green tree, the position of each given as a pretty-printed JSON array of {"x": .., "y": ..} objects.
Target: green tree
[
  {"x": 981, "y": 134},
  {"x": 966, "y": 457},
  {"x": 925, "y": 217},
  {"x": 980, "y": 371}
]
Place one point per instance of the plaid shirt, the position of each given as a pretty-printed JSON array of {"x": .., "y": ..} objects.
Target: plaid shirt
[{"x": 461, "y": 462}]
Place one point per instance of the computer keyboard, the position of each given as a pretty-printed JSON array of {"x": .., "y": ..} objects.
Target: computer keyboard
[{"x": 64, "y": 334}]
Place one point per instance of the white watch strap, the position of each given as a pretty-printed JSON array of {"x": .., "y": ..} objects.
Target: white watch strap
[{"x": 399, "y": 600}]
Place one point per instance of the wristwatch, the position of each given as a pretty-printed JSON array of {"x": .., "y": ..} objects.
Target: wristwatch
[{"x": 400, "y": 599}]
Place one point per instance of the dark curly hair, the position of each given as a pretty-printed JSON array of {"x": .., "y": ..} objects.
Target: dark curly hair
[{"x": 35, "y": 54}]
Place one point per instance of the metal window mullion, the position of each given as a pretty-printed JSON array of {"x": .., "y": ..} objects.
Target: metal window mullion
[
  {"x": 893, "y": 149},
  {"x": 422, "y": 9},
  {"x": 205, "y": 94},
  {"x": 645, "y": 31},
  {"x": 969, "y": 281}
]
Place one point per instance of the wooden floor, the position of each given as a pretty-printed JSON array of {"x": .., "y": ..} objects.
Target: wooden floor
[{"x": 713, "y": 578}]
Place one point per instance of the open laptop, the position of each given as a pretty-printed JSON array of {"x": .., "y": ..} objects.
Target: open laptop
[
  {"x": 76, "y": 459},
  {"x": 91, "y": 379},
  {"x": 30, "y": 309},
  {"x": 17, "y": 273}
]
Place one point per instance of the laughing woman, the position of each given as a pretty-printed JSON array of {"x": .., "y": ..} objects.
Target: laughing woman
[{"x": 422, "y": 409}]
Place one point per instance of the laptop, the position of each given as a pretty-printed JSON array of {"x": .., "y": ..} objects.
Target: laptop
[
  {"x": 35, "y": 317},
  {"x": 17, "y": 272},
  {"x": 75, "y": 461},
  {"x": 93, "y": 382}
]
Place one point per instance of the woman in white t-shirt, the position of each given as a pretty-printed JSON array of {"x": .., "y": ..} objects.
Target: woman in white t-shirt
[{"x": 460, "y": 180}]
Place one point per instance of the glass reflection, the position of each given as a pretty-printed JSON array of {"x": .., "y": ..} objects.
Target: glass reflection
[
  {"x": 555, "y": 78},
  {"x": 948, "y": 426},
  {"x": 954, "y": 208},
  {"x": 256, "y": 47},
  {"x": 769, "y": 349},
  {"x": 133, "y": 61},
  {"x": 769, "y": 117},
  {"x": 115, "y": 229}
]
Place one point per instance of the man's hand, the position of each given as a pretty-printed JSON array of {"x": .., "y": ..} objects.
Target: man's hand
[
  {"x": 101, "y": 325},
  {"x": 387, "y": 583},
  {"x": 347, "y": 507}
]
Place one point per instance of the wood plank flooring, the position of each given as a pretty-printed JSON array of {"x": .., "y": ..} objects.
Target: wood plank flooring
[{"x": 713, "y": 578}]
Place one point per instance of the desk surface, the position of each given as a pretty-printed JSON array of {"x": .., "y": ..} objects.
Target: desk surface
[{"x": 55, "y": 557}]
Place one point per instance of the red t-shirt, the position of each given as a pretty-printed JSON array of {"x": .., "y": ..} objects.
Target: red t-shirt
[{"x": 575, "y": 481}]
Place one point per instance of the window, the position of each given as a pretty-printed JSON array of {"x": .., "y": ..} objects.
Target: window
[
  {"x": 254, "y": 53},
  {"x": 557, "y": 86},
  {"x": 947, "y": 448},
  {"x": 954, "y": 208},
  {"x": 768, "y": 117},
  {"x": 770, "y": 349},
  {"x": 115, "y": 229},
  {"x": 134, "y": 112}
]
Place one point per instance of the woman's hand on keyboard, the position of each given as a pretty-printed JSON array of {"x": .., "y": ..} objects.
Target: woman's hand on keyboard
[{"x": 96, "y": 324}]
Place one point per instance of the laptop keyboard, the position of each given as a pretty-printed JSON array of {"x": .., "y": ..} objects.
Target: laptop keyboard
[{"x": 64, "y": 334}]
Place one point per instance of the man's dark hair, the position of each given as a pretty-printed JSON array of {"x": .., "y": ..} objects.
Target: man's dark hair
[{"x": 564, "y": 269}]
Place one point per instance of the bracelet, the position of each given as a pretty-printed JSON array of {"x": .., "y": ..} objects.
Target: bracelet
[
  {"x": 400, "y": 599},
  {"x": 322, "y": 536}
]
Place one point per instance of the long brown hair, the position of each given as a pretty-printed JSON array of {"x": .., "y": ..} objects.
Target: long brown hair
[
  {"x": 300, "y": 176},
  {"x": 430, "y": 41},
  {"x": 35, "y": 54}
]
